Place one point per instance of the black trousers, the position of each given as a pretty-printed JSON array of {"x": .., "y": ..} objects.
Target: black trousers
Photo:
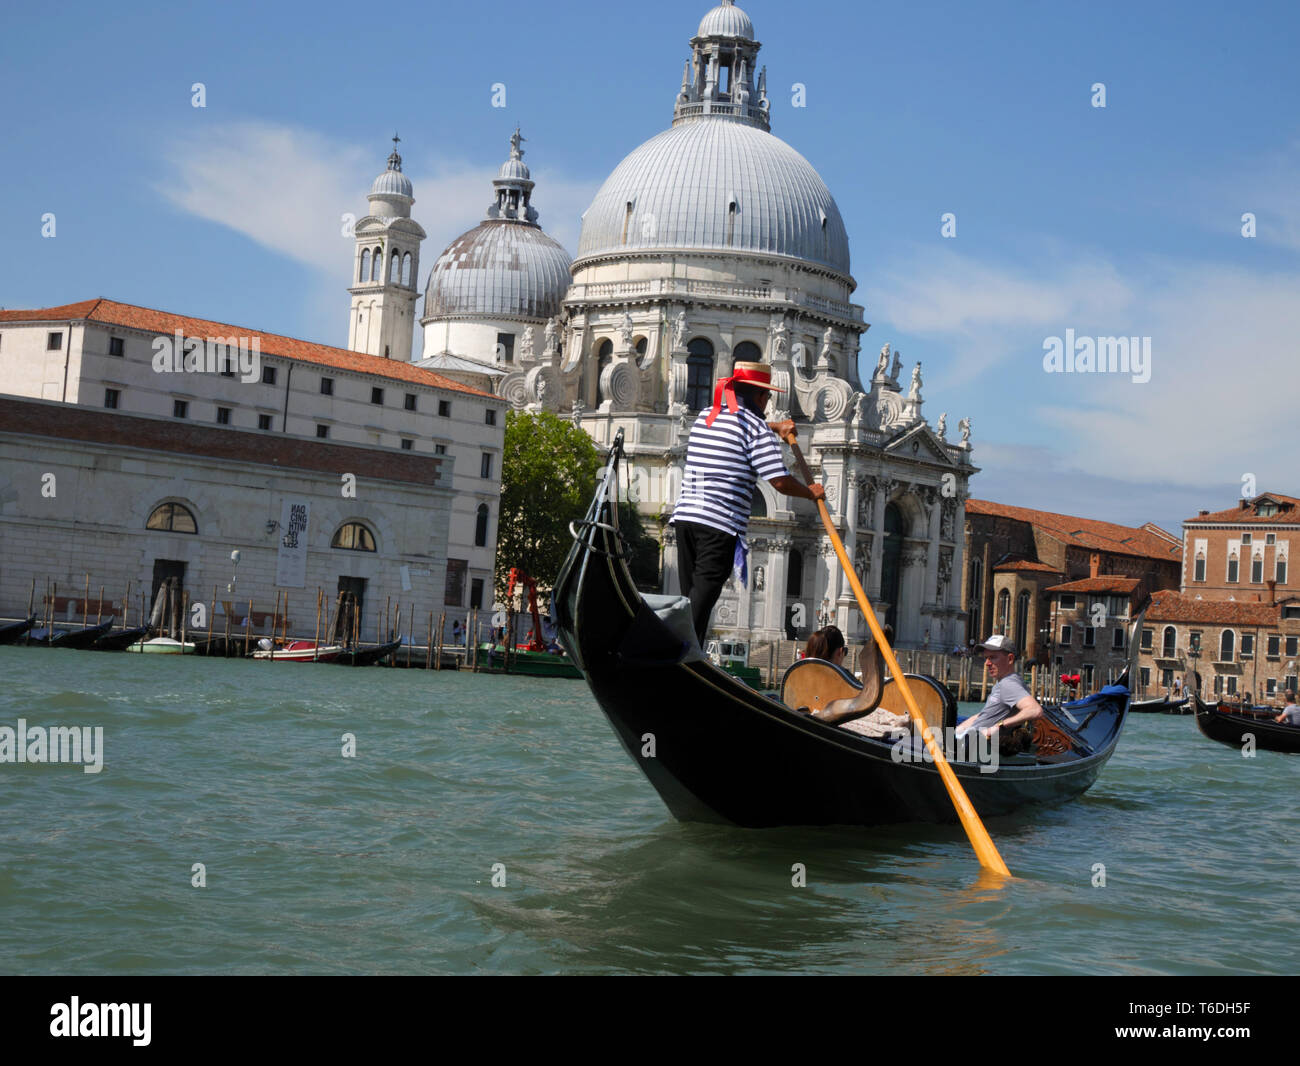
[{"x": 705, "y": 557}]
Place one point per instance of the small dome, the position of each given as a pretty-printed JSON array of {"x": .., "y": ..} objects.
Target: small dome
[
  {"x": 726, "y": 20},
  {"x": 392, "y": 183},
  {"x": 514, "y": 170},
  {"x": 499, "y": 269}
]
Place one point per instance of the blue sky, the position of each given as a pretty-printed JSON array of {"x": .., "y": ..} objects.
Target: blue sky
[{"x": 1117, "y": 221}]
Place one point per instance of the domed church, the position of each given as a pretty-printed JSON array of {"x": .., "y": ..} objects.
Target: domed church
[{"x": 711, "y": 243}]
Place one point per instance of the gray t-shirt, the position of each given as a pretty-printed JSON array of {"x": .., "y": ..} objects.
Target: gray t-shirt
[
  {"x": 1292, "y": 714},
  {"x": 1000, "y": 704}
]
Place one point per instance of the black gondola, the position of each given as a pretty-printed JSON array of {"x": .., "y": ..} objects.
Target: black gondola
[
  {"x": 68, "y": 636},
  {"x": 1164, "y": 705},
  {"x": 367, "y": 656},
  {"x": 1232, "y": 728},
  {"x": 718, "y": 751},
  {"x": 122, "y": 639},
  {"x": 12, "y": 632}
]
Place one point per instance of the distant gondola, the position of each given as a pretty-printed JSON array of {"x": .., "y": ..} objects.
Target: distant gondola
[
  {"x": 11, "y": 632},
  {"x": 718, "y": 751},
  {"x": 68, "y": 636},
  {"x": 1164, "y": 705},
  {"x": 1232, "y": 728},
  {"x": 367, "y": 656},
  {"x": 121, "y": 640}
]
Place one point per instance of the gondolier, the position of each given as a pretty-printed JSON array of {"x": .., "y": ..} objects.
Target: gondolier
[{"x": 730, "y": 448}]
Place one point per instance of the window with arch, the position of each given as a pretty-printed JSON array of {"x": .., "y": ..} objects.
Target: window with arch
[
  {"x": 365, "y": 265},
  {"x": 395, "y": 269},
  {"x": 1004, "y": 611},
  {"x": 699, "y": 374},
  {"x": 172, "y": 518},
  {"x": 604, "y": 354},
  {"x": 640, "y": 344},
  {"x": 376, "y": 263},
  {"x": 406, "y": 269},
  {"x": 481, "y": 526},
  {"x": 1168, "y": 642},
  {"x": 747, "y": 352},
  {"x": 353, "y": 537},
  {"x": 1227, "y": 645},
  {"x": 1022, "y": 620},
  {"x": 758, "y": 505}
]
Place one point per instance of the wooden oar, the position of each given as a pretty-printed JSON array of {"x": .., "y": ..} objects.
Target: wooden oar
[{"x": 985, "y": 850}]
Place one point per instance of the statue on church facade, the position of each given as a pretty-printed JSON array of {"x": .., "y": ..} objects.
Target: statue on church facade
[
  {"x": 964, "y": 426},
  {"x": 679, "y": 330},
  {"x": 941, "y": 429},
  {"x": 526, "y": 344}
]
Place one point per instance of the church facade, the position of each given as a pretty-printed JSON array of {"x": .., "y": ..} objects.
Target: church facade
[{"x": 711, "y": 243}]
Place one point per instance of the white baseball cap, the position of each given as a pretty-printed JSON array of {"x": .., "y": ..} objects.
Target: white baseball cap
[{"x": 998, "y": 642}]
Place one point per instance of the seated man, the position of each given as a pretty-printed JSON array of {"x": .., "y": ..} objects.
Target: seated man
[
  {"x": 1009, "y": 702},
  {"x": 1290, "y": 713}
]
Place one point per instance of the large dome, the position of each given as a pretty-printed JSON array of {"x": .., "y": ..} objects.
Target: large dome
[
  {"x": 499, "y": 269},
  {"x": 716, "y": 184}
]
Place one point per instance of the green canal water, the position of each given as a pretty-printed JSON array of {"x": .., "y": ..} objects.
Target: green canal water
[{"x": 384, "y": 863}]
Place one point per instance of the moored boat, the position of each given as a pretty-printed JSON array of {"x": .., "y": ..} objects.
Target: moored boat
[
  {"x": 12, "y": 632},
  {"x": 162, "y": 646},
  {"x": 366, "y": 656},
  {"x": 1164, "y": 705},
  {"x": 122, "y": 639},
  {"x": 718, "y": 751},
  {"x": 300, "y": 651},
  {"x": 1233, "y": 728},
  {"x": 68, "y": 636},
  {"x": 492, "y": 660}
]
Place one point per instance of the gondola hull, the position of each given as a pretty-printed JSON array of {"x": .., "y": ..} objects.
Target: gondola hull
[
  {"x": 13, "y": 632},
  {"x": 717, "y": 751},
  {"x": 1233, "y": 729},
  {"x": 69, "y": 636}
]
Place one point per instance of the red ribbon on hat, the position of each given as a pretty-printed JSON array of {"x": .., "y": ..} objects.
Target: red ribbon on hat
[{"x": 726, "y": 389}]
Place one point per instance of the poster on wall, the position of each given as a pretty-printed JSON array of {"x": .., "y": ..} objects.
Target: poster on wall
[{"x": 291, "y": 562}]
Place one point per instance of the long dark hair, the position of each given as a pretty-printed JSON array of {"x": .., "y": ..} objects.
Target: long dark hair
[{"x": 824, "y": 644}]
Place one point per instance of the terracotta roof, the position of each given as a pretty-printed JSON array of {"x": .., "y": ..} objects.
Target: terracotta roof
[
  {"x": 1244, "y": 513},
  {"x": 1088, "y": 532},
  {"x": 1026, "y": 564},
  {"x": 113, "y": 313},
  {"x": 1101, "y": 583},
  {"x": 1170, "y": 606}
]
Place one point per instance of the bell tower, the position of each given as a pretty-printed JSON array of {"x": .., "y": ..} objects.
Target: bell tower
[{"x": 385, "y": 274}]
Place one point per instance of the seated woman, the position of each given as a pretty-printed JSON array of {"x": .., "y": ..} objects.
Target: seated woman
[{"x": 828, "y": 644}]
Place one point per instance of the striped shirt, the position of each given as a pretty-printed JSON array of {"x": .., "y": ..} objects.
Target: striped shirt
[{"x": 723, "y": 463}]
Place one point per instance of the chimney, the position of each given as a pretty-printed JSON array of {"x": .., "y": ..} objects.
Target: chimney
[
  {"x": 1272, "y": 591},
  {"x": 1245, "y": 504},
  {"x": 1094, "y": 564},
  {"x": 1204, "y": 513}
]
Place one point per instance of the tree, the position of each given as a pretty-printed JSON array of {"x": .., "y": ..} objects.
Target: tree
[{"x": 548, "y": 476}]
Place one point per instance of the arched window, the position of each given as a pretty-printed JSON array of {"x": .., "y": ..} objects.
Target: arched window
[
  {"x": 1004, "y": 610},
  {"x": 891, "y": 563},
  {"x": 172, "y": 518},
  {"x": 1022, "y": 620},
  {"x": 794, "y": 573},
  {"x": 699, "y": 374},
  {"x": 480, "y": 526},
  {"x": 1168, "y": 642},
  {"x": 406, "y": 269},
  {"x": 747, "y": 352},
  {"x": 604, "y": 353},
  {"x": 1227, "y": 644},
  {"x": 353, "y": 537},
  {"x": 758, "y": 505},
  {"x": 640, "y": 345},
  {"x": 975, "y": 596},
  {"x": 365, "y": 265},
  {"x": 377, "y": 264},
  {"x": 395, "y": 269}
]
